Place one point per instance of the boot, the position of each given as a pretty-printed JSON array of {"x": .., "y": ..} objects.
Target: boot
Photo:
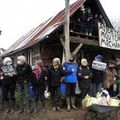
[
  {"x": 21, "y": 110},
  {"x": 68, "y": 103},
  {"x": 43, "y": 106},
  {"x": 35, "y": 107},
  {"x": 73, "y": 103},
  {"x": 29, "y": 107}
]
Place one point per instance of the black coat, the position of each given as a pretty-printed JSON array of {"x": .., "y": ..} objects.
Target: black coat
[
  {"x": 82, "y": 72},
  {"x": 54, "y": 76},
  {"x": 24, "y": 73},
  {"x": 98, "y": 76},
  {"x": 40, "y": 83}
]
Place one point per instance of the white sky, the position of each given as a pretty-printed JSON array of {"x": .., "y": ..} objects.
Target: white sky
[{"x": 17, "y": 17}]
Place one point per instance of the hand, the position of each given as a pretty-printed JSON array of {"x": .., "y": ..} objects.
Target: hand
[
  {"x": 25, "y": 81},
  {"x": 46, "y": 78},
  {"x": 79, "y": 74},
  {"x": 63, "y": 68},
  {"x": 73, "y": 70},
  {"x": 86, "y": 77}
]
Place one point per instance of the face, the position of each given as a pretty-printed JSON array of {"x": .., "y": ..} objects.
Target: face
[
  {"x": 37, "y": 68},
  {"x": 71, "y": 59},
  {"x": 55, "y": 63}
]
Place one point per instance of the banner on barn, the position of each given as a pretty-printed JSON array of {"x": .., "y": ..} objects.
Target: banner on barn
[
  {"x": 108, "y": 37},
  {"x": 99, "y": 65}
]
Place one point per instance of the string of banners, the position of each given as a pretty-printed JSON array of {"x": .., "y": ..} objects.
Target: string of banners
[{"x": 108, "y": 37}]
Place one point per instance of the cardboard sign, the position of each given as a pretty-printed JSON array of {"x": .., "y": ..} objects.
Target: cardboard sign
[
  {"x": 108, "y": 37},
  {"x": 99, "y": 65},
  {"x": 8, "y": 70}
]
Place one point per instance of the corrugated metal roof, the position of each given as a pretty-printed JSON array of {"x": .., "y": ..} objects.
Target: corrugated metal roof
[{"x": 42, "y": 30}]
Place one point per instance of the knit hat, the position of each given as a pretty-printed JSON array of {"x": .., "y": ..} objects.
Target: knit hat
[
  {"x": 99, "y": 57},
  {"x": 84, "y": 62},
  {"x": 7, "y": 61}
]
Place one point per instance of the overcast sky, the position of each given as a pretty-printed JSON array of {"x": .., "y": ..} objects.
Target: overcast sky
[{"x": 17, "y": 17}]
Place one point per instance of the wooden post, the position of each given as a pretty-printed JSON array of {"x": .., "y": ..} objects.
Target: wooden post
[{"x": 66, "y": 30}]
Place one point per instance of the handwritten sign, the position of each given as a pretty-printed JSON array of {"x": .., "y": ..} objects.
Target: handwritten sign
[
  {"x": 8, "y": 70},
  {"x": 108, "y": 37},
  {"x": 99, "y": 65}
]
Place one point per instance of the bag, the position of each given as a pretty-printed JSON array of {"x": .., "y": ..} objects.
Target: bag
[
  {"x": 63, "y": 89},
  {"x": 77, "y": 89}
]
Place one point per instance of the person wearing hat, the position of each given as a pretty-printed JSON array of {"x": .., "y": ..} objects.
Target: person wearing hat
[
  {"x": 8, "y": 84},
  {"x": 84, "y": 77},
  {"x": 98, "y": 77}
]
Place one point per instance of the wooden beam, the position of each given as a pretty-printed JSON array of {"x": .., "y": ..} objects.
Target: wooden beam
[
  {"x": 62, "y": 42},
  {"x": 84, "y": 41},
  {"x": 77, "y": 48}
]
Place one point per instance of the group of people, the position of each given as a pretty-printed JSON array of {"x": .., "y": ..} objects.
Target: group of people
[
  {"x": 87, "y": 22},
  {"x": 21, "y": 77}
]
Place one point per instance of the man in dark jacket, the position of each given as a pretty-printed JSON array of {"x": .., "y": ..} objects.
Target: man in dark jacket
[
  {"x": 98, "y": 77},
  {"x": 24, "y": 72}
]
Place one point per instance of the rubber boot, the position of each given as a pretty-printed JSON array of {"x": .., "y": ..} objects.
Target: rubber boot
[
  {"x": 36, "y": 107},
  {"x": 43, "y": 106},
  {"x": 68, "y": 103},
  {"x": 73, "y": 103}
]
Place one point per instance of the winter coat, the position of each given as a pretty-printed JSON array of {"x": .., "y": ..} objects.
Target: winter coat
[
  {"x": 24, "y": 73},
  {"x": 82, "y": 72},
  {"x": 54, "y": 76},
  {"x": 109, "y": 77},
  {"x": 71, "y": 78},
  {"x": 39, "y": 83},
  {"x": 98, "y": 76}
]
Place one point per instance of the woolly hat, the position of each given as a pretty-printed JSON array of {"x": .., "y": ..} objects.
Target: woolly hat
[
  {"x": 99, "y": 57},
  {"x": 84, "y": 62},
  {"x": 7, "y": 61}
]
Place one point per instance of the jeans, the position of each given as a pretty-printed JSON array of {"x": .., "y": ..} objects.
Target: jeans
[
  {"x": 24, "y": 98},
  {"x": 55, "y": 96},
  {"x": 96, "y": 87}
]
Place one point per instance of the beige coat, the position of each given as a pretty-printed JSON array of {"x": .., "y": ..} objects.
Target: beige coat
[{"x": 109, "y": 77}]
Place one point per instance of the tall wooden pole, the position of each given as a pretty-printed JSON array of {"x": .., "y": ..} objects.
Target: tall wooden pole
[{"x": 66, "y": 30}]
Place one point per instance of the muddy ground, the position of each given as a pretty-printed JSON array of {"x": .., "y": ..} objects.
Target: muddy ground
[{"x": 49, "y": 115}]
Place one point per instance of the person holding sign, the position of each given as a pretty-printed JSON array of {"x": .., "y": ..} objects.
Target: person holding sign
[
  {"x": 98, "y": 76},
  {"x": 8, "y": 84}
]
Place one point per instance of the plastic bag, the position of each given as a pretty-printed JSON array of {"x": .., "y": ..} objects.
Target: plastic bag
[{"x": 77, "y": 89}]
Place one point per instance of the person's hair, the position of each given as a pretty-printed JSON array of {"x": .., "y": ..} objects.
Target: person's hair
[
  {"x": 111, "y": 62},
  {"x": 57, "y": 59},
  {"x": 73, "y": 56},
  {"x": 40, "y": 63}
]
